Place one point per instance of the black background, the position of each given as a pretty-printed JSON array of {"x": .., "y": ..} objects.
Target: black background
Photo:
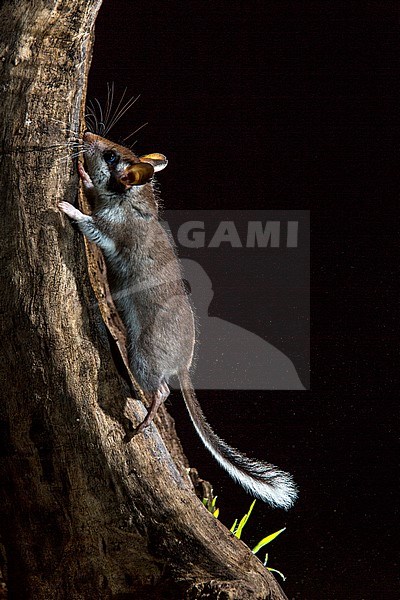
[{"x": 289, "y": 105}]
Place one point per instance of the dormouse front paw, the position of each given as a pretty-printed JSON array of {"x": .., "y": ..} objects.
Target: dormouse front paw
[{"x": 71, "y": 211}]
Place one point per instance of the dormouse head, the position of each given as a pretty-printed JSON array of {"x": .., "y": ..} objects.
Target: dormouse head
[{"x": 116, "y": 169}]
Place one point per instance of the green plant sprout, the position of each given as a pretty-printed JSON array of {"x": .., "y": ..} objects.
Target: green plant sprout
[
  {"x": 211, "y": 506},
  {"x": 237, "y": 529}
]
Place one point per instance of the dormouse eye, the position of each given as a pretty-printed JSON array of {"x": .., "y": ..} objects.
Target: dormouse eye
[{"x": 111, "y": 157}]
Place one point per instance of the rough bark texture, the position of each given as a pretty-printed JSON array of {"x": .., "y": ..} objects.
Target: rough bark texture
[{"x": 83, "y": 515}]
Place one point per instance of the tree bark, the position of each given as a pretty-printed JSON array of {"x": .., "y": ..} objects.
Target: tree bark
[{"x": 83, "y": 514}]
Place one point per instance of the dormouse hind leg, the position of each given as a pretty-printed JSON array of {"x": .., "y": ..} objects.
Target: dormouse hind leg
[{"x": 157, "y": 398}]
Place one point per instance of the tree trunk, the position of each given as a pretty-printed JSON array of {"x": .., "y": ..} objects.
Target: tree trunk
[{"x": 83, "y": 514}]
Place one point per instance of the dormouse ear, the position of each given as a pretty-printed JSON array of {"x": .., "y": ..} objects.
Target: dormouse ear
[
  {"x": 137, "y": 174},
  {"x": 159, "y": 161}
]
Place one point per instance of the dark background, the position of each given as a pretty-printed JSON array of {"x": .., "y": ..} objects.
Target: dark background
[{"x": 289, "y": 105}]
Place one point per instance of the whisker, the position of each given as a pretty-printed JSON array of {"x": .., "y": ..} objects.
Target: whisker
[
  {"x": 70, "y": 156},
  {"x": 123, "y": 110},
  {"x": 115, "y": 112},
  {"x": 89, "y": 121},
  {"x": 133, "y": 133},
  {"x": 77, "y": 141},
  {"x": 90, "y": 107},
  {"x": 40, "y": 149},
  {"x": 65, "y": 126},
  {"x": 71, "y": 145},
  {"x": 110, "y": 101},
  {"x": 101, "y": 122},
  {"x": 91, "y": 116}
]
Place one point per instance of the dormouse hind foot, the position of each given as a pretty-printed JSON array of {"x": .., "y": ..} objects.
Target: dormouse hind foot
[{"x": 157, "y": 398}]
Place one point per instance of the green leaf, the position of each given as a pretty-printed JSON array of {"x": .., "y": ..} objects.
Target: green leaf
[
  {"x": 216, "y": 513},
  {"x": 214, "y": 501},
  {"x": 205, "y": 501},
  {"x": 276, "y": 571},
  {"x": 244, "y": 520},
  {"x": 267, "y": 540},
  {"x": 232, "y": 529}
]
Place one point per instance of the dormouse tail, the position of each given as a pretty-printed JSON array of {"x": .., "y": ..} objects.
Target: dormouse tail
[{"x": 260, "y": 479}]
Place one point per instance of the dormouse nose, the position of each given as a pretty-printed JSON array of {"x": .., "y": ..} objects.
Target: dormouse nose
[{"x": 88, "y": 137}]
